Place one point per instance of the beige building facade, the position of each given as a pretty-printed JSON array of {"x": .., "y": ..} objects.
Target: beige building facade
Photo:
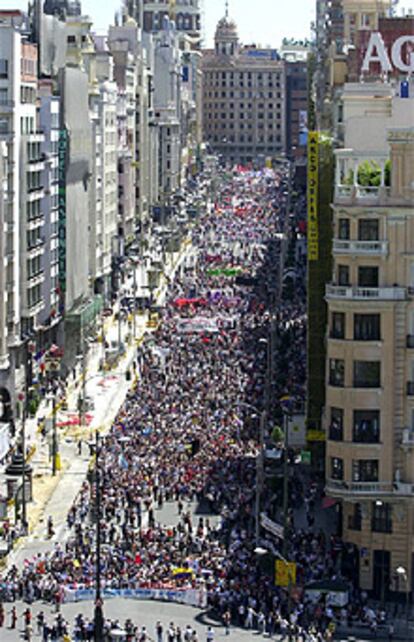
[
  {"x": 243, "y": 98},
  {"x": 369, "y": 413}
]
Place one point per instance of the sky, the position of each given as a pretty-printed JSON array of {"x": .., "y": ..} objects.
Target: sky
[{"x": 264, "y": 22}]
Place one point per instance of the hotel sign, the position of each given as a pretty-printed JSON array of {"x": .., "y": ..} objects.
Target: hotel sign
[
  {"x": 313, "y": 178},
  {"x": 399, "y": 57}
]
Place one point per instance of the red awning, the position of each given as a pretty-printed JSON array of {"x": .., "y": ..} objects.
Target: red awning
[{"x": 328, "y": 502}]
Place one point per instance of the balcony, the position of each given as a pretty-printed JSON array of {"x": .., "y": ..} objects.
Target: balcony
[
  {"x": 340, "y": 489},
  {"x": 408, "y": 438},
  {"x": 364, "y": 248},
  {"x": 349, "y": 181},
  {"x": 410, "y": 388},
  {"x": 365, "y": 294}
]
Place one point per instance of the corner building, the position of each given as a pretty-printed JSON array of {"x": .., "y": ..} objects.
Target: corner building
[
  {"x": 243, "y": 98},
  {"x": 369, "y": 413}
]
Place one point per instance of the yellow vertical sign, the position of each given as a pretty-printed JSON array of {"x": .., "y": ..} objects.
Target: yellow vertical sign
[
  {"x": 313, "y": 177},
  {"x": 285, "y": 573}
]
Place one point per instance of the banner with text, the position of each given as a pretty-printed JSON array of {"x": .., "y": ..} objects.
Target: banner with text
[
  {"x": 313, "y": 168},
  {"x": 191, "y": 597}
]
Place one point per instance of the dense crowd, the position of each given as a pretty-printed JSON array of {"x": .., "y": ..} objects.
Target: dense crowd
[{"x": 188, "y": 432}]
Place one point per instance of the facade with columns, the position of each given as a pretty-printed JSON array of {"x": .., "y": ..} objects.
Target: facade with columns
[{"x": 369, "y": 412}]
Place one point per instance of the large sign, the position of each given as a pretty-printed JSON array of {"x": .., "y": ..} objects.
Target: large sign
[
  {"x": 191, "y": 597},
  {"x": 313, "y": 178},
  {"x": 273, "y": 527},
  {"x": 285, "y": 573},
  {"x": 400, "y": 55},
  {"x": 62, "y": 152}
]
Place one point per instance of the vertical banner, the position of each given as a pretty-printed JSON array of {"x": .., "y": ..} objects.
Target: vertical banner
[{"x": 313, "y": 167}]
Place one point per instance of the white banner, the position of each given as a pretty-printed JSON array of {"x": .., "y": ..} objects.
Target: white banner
[{"x": 191, "y": 597}]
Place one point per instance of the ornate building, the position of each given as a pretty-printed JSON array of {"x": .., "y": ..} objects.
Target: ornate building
[{"x": 243, "y": 98}]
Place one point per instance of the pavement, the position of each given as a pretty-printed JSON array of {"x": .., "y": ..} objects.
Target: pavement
[
  {"x": 53, "y": 495},
  {"x": 146, "y": 613}
]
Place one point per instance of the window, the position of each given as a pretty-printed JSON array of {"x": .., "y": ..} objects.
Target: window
[
  {"x": 344, "y": 229},
  {"x": 336, "y": 428},
  {"x": 367, "y": 327},
  {"x": 365, "y": 470},
  {"x": 4, "y": 95},
  {"x": 343, "y": 275},
  {"x": 368, "y": 277},
  {"x": 367, "y": 374},
  {"x": 4, "y": 68},
  {"x": 365, "y": 20},
  {"x": 381, "y": 517},
  {"x": 355, "y": 519},
  {"x": 338, "y": 325},
  {"x": 368, "y": 229},
  {"x": 336, "y": 372},
  {"x": 366, "y": 429},
  {"x": 71, "y": 39},
  {"x": 337, "y": 468}
]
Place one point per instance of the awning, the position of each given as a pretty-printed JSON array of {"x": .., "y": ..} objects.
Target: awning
[{"x": 328, "y": 502}]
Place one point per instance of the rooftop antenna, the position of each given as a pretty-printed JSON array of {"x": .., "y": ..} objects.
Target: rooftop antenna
[{"x": 227, "y": 10}]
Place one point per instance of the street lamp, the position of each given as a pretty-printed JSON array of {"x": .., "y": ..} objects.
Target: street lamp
[
  {"x": 402, "y": 572},
  {"x": 379, "y": 503},
  {"x": 259, "y": 466}
]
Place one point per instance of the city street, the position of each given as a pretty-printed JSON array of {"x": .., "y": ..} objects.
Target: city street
[
  {"x": 107, "y": 391},
  {"x": 175, "y": 506},
  {"x": 148, "y": 614}
]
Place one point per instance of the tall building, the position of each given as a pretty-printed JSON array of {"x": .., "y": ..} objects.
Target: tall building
[
  {"x": 369, "y": 414},
  {"x": 150, "y": 15},
  {"x": 123, "y": 43},
  {"x": 4, "y": 357},
  {"x": 295, "y": 54},
  {"x": 167, "y": 108},
  {"x": 339, "y": 24},
  {"x": 243, "y": 98},
  {"x": 49, "y": 112},
  {"x": 24, "y": 214},
  {"x": 62, "y": 8}
]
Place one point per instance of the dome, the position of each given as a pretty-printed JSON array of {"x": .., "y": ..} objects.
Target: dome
[{"x": 226, "y": 28}]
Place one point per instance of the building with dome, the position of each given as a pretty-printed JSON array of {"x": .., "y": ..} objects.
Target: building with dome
[{"x": 243, "y": 98}]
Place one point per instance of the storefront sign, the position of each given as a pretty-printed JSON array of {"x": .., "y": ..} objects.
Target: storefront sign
[
  {"x": 313, "y": 168},
  {"x": 401, "y": 55},
  {"x": 62, "y": 150}
]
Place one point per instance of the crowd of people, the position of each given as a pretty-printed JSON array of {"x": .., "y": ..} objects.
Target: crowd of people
[{"x": 187, "y": 434}]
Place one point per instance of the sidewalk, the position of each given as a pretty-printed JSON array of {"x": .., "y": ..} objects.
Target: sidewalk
[{"x": 52, "y": 496}]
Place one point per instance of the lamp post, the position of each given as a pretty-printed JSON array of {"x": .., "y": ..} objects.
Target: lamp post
[
  {"x": 380, "y": 505},
  {"x": 259, "y": 467},
  {"x": 401, "y": 572},
  {"x": 23, "y": 399},
  {"x": 98, "y": 616},
  {"x": 54, "y": 435}
]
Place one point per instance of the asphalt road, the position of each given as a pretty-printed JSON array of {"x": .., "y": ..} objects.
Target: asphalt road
[{"x": 143, "y": 613}]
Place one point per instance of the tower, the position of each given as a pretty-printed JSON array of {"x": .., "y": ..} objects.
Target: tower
[{"x": 226, "y": 38}]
